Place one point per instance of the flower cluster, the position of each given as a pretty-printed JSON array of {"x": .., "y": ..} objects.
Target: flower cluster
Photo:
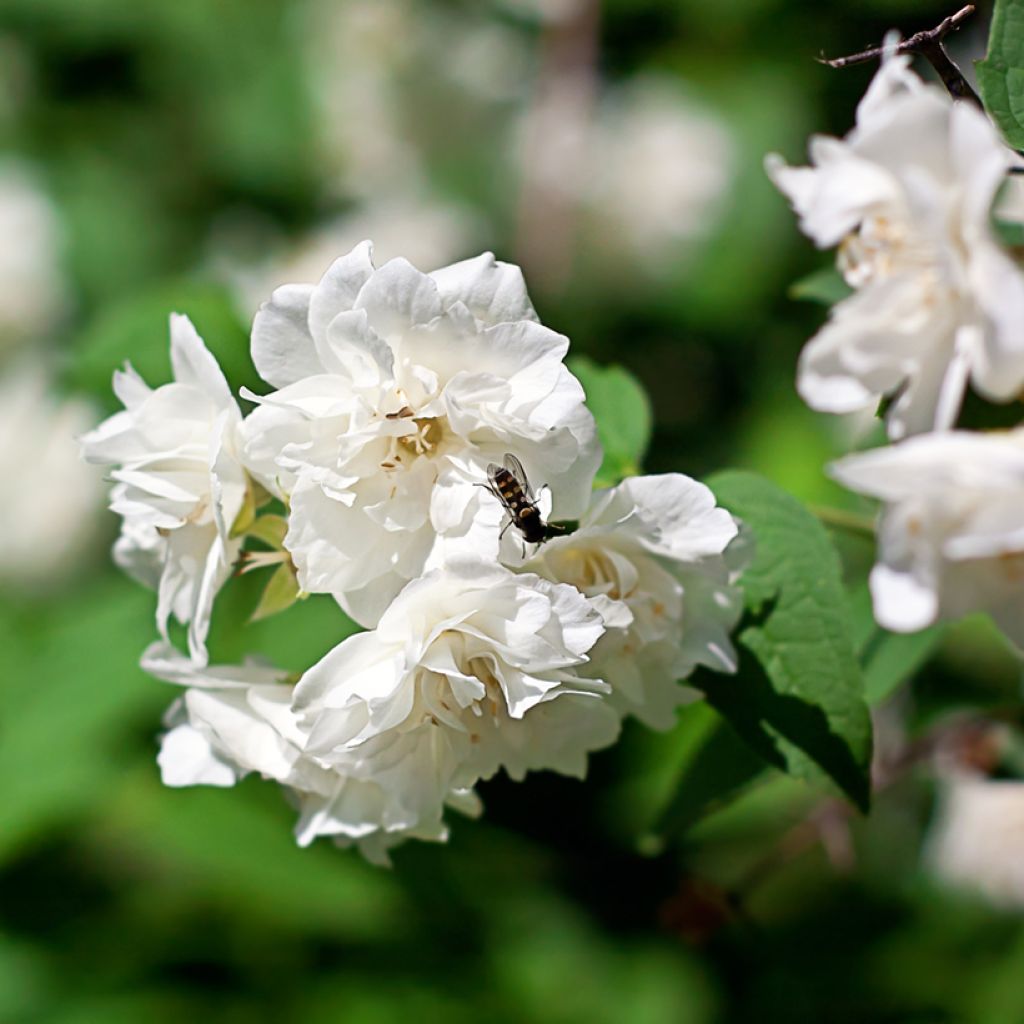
[
  {"x": 391, "y": 394},
  {"x": 937, "y": 304}
]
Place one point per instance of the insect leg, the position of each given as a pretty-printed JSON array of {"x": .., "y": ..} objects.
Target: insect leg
[{"x": 491, "y": 488}]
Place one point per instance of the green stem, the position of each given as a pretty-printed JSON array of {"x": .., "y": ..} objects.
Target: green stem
[{"x": 840, "y": 519}]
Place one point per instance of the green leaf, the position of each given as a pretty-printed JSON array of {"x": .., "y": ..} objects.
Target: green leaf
[
  {"x": 236, "y": 846},
  {"x": 70, "y": 699},
  {"x": 136, "y": 329},
  {"x": 623, "y": 413},
  {"x": 799, "y": 696},
  {"x": 269, "y": 529},
  {"x": 25, "y": 979},
  {"x": 246, "y": 514},
  {"x": 888, "y": 659},
  {"x": 718, "y": 764},
  {"x": 1010, "y": 233},
  {"x": 1001, "y": 73},
  {"x": 825, "y": 286},
  {"x": 280, "y": 593},
  {"x": 674, "y": 778}
]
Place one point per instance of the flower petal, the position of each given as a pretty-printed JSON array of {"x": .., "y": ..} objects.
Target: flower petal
[
  {"x": 494, "y": 292},
  {"x": 282, "y": 346}
]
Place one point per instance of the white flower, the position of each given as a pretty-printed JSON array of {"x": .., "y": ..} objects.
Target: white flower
[
  {"x": 471, "y": 669},
  {"x": 366, "y": 60},
  {"x": 179, "y": 485},
  {"x": 907, "y": 195},
  {"x": 356, "y": 51},
  {"x": 33, "y": 293},
  {"x": 659, "y": 167},
  {"x": 396, "y": 390},
  {"x": 54, "y": 502},
  {"x": 231, "y": 720},
  {"x": 651, "y": 555},
  {"x": 237, "y": 719},
  {"x": 636, "y": 179},
  {"x": 951, "y": 535},
  {"x": 976, "y": 840},
  {"x": 425, "y": 230}
]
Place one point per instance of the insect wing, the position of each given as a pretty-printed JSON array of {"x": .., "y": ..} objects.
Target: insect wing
[
  {"x": 515, "y": 467},
  {"x": 494, "y": 475}
]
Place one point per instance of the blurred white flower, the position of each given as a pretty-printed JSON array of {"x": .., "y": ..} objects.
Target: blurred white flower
[
  {"x": 427, "y": 232},
  {"x": 375, "y": 79},
  {"x": 396, "y": 390},
  {"x": 356, "y": 52},
  {"x": 33, "y": 293},
  {"x": 976, "y": 841},
  {"x": 951, "y": 535},
  {"x": 908, "y": 196},
  {"x": 471, "y": 669},
  {"x": 640, "y": 173},
  {"x": 179, "y": 485},
  {"x": 660, "y": 167},
  {"x": 488, "y": 60},
  {"x": 651, "y": 555},
  {"x": 1010, "y": 201},
  {"x": 52, "y": 510}
]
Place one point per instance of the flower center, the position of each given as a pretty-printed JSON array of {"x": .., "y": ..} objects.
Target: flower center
[
  {"x": 428, "y": 436},
  {"x": 494, "y": 696},
  {"x": 879, "y": 247},
  {"x": 592, "y": 572}
]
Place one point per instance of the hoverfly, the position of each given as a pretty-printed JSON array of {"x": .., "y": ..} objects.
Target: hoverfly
[{"x": 509, "y": 485}]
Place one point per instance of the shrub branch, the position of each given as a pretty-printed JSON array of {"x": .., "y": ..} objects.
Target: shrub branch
[{"x": 927, "y": 44}]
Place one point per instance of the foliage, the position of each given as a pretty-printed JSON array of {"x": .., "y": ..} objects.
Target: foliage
[
  {"x": 825, "y": 287},
  {"x": 1001, "y": 73},
  {"x": 623, "y": 413},
  {"x": 802, "y": 705}
]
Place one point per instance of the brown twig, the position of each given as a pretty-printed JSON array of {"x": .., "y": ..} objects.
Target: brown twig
[{"x": 929, "y": 45}]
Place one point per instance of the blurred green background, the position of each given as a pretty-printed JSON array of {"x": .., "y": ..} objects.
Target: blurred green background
[{"x": 191, "y": 155}]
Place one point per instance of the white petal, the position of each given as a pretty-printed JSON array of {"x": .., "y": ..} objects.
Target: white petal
[
  {"x": 354, "y": 349},
  {"x": 832, "y": 199},
  {"x": 186, "y": 758},
  {"x": 494, "y": 292},
  {"x": 282, "y": 346},
  {"x": 131, "y": 390},
  {"x": 336, "y": 293},
  {"x": 902, "y": 604},
  {"x": 238, "y": 734},
  {"x": 892, "y": 79},
  {"x": 194, "y": 365},
  {"x": 397, "y": 297},
  {"x": 163, "y": 661}
]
